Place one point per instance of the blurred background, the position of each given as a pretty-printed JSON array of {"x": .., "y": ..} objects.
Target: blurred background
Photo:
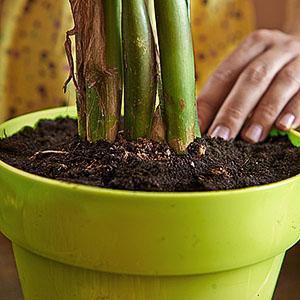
[{"x": 33, "y": 69}]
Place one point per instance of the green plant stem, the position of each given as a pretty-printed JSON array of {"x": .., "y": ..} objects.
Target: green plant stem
[
  {"x": 197, "y": 128},
  {"x": 178, "y": 72},
  {"x": 140, "y": 70},
  {"x": 99, "y": 67},
  {"x": 104, "y": 87}
]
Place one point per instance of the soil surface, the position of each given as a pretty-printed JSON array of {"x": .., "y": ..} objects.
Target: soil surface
[{"x": 55, "y": 151}]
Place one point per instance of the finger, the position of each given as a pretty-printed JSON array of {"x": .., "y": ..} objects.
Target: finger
[
  {"x": 222, "y": 80},
  {"x": 281, "y": 91},
  {"x": 290, "y": 116},
  {"x": 249, "y": 89}
]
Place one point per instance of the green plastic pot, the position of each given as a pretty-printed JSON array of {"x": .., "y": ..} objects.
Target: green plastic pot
[{"x": 73, "y": 242}]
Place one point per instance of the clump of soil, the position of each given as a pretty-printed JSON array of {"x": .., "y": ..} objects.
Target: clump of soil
[{"x": 54, "y": 150}]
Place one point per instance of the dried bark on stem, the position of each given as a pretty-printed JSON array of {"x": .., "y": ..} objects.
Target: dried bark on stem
[{"x": 98, "y": 77}]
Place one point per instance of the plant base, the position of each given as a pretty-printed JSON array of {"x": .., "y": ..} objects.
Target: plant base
[{"x": 226, "y": 245}]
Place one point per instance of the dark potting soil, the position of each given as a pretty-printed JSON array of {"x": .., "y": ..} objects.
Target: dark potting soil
[{"x": 55, "y": 151}]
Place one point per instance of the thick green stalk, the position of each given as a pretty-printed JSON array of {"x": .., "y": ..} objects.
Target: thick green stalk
[
  {"x": 178, "y": 72},
  {"x": 99, "y": 67},
  {"x": 197, "y": 128},
  {"x": 140, "y": 70}
]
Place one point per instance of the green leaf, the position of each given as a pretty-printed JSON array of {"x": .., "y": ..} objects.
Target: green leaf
[{"x": 293, "y": 135}]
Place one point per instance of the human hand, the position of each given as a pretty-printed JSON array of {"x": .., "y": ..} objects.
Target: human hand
[{"x": 255, "y": 88}]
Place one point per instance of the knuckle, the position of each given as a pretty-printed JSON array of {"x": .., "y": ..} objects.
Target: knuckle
[
  {"x": 260, "y": 35},
  {"x": 292, "y": 47},
  {"x": 233, "y": 114},
  {"x": 290, "y": 76},
  {"x": 222, "y": 75},
  {"x": 267, "y": 112},
  {"x": 257, "y": 73},
  {"x": 292, "y": 44}
]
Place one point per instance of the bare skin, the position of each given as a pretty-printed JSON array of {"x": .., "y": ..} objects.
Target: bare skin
[{"x": 258, "y": 85}]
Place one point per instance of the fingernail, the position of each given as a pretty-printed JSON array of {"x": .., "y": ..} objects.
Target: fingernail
[
  {"x": 222, "y": 132},
  {"x": 254, "y": 133},
  {"x": 287, "y": 121}
]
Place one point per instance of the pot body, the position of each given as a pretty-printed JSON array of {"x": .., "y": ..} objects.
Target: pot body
[
  {"x": 77, "y": 242},
  {"x": 46, "y": 279}
]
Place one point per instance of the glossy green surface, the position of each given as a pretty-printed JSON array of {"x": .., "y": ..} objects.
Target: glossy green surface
[
  {"x": 140, "y": 69},
  {"x": 47, "y": 280},
  {"x": 294, "y": 136},
  {"x": 142, "y": 233},
  {"x": 177, "y": 72}
]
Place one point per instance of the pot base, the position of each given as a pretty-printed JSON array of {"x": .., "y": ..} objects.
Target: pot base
[{"x": 46, "y": 279}]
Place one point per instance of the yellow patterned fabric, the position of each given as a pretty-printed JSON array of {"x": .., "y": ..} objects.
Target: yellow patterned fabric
[
  {"x": 218, "y": 27},
  {"x": 33, "y": 64}
]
